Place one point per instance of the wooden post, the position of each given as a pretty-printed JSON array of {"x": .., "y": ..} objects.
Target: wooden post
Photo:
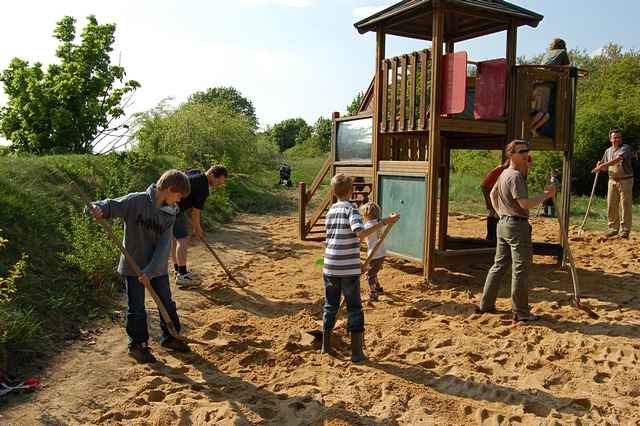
[
  {"x": 445, "y": 169},
  {"x": 334, "y": 140},
  {"x": 434, "y": 140},
  {"x": 512, "y": 41},
  {"x": 302, "y": 210},
  {"x": 566, "y": 169},
  {"x": 377, "y": 107}
]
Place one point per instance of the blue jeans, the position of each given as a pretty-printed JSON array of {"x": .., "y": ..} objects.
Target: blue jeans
[
  {"x": 334, "y": 287},
  {"x": 137, "y": 329}
]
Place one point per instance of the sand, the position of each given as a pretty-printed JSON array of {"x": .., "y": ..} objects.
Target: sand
[{"x": 432, "y": 359}]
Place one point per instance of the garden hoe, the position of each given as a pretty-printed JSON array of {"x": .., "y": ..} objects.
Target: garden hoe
[
  {"x": 132, "y": 263},
  {"x": 318, "y": 333},
  {"x": 586, "y": 215}
]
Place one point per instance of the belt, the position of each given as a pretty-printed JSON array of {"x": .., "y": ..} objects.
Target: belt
[
  {"x": 622, "y": 178},
  {"x": 515, "y": 218}
]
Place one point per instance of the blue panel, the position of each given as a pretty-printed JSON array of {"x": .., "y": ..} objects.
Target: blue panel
[{"x": 405, "y": 195}]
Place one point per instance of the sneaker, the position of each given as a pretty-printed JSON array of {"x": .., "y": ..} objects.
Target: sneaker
[
  {"x": 175, "y": 344},
  {"x": 380, "y": 290},
  {"x": 141, "y": 353},
  {"x": 625, "y": 235},
  {"x": 187, "y": 280},
  {"x": 373, "y": 296},
  {"x": 610, "y": 233}
]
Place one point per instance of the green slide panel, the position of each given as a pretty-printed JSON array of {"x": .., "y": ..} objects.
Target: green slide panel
[{"x": 406, "y": 195}]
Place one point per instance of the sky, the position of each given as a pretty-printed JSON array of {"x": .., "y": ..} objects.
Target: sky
[{"x": 291, "y": 58}]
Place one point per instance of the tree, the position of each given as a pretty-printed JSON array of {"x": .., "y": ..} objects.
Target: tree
[
  {"x": 322, "y": 132},
  {"x": 354, "y": 106},
  {"x": 66, "y": 108},
  {"x": 228, "y": 97},
  {"x": 286, "y": 133}
]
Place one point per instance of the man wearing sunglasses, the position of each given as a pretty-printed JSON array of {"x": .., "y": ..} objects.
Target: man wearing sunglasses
[{"x": 510, "y": 199}]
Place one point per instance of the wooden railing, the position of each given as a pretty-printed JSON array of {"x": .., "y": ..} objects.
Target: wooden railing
[
  {"x": 304, "y": 197},
  {"x": 405, "y": 92}
]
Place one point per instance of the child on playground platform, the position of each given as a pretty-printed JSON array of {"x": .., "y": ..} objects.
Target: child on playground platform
[
  {"x": 341, "y": 271},
  {"x": 371, "y": 215},
  {"x": 148, "y": 225}
]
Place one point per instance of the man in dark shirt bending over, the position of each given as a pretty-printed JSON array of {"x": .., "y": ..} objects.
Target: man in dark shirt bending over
[{"x": 200, "y": 183}]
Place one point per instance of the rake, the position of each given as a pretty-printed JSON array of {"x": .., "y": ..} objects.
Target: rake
[{"x": 586, "y": 215}]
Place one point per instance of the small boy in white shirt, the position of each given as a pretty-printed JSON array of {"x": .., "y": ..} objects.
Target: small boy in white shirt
[{"x": 371, "y": 215}]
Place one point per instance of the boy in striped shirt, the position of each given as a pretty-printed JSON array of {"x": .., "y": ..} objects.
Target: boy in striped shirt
[{"x": 341, "y": 271}]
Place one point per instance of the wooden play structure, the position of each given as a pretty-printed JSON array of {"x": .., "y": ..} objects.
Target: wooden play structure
[{"x": 423, "y": 104}]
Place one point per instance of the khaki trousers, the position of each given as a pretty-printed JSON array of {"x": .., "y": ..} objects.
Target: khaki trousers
[
  {"x": 619, "y": 203},
  {"x": 514, "y": 249}
]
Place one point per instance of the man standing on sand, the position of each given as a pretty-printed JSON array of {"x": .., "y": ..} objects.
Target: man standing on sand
[
  {"x": 200, "y": 183},
  {"x": 510, "y": 199},
  {"x": 617, "y": 159}
]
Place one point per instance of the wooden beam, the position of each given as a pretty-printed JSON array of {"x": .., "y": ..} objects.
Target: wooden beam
[
  {"x": 566, "y": 164},
  {"x": 415, "y": 168},
  {"x": 512, "y": 41},
  {"x": 302, "y": 210},
  {"x": 403, "y": 90},
  {"x": 434, "y": 140},
  {"x": 375, "y": 147},
  {"x": 385, "y": 91},
  {"x": 445, "y": 170},
  {"x": 326, "y": 166},
  {"x": 412, "y": 91},
  {"x": 422, "y": 119},
  {"x": 394, "y": 94}
]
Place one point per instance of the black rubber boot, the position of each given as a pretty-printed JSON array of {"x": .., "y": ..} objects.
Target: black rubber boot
[
  {"x": 357, "y": 341},
  {"x": 326, "y": 342}
]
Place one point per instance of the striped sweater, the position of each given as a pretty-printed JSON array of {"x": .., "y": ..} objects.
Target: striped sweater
[{"x": 342, "y": 253}]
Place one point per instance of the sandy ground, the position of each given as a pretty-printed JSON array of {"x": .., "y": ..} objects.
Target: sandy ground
[{"x": 432, "y": 359}]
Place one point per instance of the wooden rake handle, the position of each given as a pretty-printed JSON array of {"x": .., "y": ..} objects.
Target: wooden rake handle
[
  {"x": 229, "y": 274},
  {"x": 132, "y": 263},
  {"x": 377, "y": 246},
  {"x": 586, "y": 215},
  {"x": 572, "y": 265}
]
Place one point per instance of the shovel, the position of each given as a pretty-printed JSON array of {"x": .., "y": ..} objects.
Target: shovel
[
  {"x": 132, "y": 263},
  {"x": 586, "y": 215}
]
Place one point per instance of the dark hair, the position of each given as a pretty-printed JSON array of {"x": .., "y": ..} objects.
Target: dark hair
[
  {"x": 218, "y": 171},
  {"x": 174, "y": 179},
  {"x": 612, "y": 131},
  {"x": 557, "y": 43}
]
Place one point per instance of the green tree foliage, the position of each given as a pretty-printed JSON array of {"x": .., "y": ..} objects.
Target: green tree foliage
[
  {"x": 64, "y": 109},
  {"x": 322, "y": 132},
  {"x": 200, "y": 134},
  {"x": 354, "y": 106},
  {"x": 228, "y": 97},
  {"x": 289, "y": 132}
]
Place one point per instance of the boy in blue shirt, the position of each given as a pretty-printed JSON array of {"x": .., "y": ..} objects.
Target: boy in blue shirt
[{"x": 148, "y": 226}]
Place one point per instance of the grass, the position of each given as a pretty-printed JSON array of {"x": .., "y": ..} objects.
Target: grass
[{"x": 70, "y": 275}]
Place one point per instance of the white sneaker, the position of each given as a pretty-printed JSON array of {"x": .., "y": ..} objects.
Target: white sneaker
[{"x": 187, "y": 280}]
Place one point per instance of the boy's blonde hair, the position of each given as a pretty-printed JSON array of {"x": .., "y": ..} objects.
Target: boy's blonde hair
[
  {"x": 371, "y": 210},
  {"x": 174, "y": 179},
  {"x": 341, "y": 185}
]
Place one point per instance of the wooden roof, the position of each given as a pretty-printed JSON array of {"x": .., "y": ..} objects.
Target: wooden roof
[{"x": 464, "y": 19}]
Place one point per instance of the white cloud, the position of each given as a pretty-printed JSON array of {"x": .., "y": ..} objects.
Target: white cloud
[
  {"x": 366, "y": 11},
  {"x": 597, "y": 52},
  {"x": 287, "y": 3}
]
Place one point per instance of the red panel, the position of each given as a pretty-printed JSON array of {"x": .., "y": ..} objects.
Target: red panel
[
  {"x": 491, "y": 89},
  {"x": 454, "y": 82}
]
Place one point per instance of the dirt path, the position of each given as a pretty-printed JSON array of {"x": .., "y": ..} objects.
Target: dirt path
[{"x": 433, "y": 360}]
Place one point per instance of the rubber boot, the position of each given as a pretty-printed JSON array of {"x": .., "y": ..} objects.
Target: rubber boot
[
  {"x": 326, "y": 342},
  {"x": 357, "y": 341}
]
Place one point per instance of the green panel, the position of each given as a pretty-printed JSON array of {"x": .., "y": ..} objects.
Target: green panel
[
  {"x": 405, "y": 195},
  {"x": 353, "y": 139}
]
